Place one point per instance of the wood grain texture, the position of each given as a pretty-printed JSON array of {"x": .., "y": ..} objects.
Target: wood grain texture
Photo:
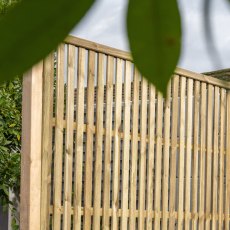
[
  {"x": 30, "y": 203},
  {"x": 116, "y": 155},
  {"x": 108, "y": 140},
  {"x": 142, "y": 158},
  {"x": 58, "y": 153},
  {"x": 215, "y": 158},
  {"x": 227, "y": 187},
  {"x": 158, "y": 167},
  {"x": 202, "y": 155},
  {"x": 126, "y": 145},
  {"x": 99, "y": 138},
  {"x": 134, "y": 146},
  {"x": 209, "y": 157},
  {"x": 89, "y": 140},
  {"x": 68, "y": 166},
  {"x": 221, "y": 158},
  {"x": 165, "y": 179},
  {"x": 189, "y": 124},
  {"x": 79, "y": 138},
  {"x": 195, "y": 156},
  {"x": 181, "y": 154},
  {"x": 47, "y": 117},
  {"x": 172, "y": 201},
  {"x": 151, "y": 155}
]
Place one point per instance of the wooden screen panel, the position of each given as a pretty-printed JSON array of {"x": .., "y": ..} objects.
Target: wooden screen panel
[{"x": 177, "y": 145}]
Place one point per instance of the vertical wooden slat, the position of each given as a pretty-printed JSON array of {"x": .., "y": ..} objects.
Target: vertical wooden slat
[
  {"x": 215, "y": 158},
  {"x": 47, "y": 110},
  {"x": 202, "y": 155},
  {"x": 151, "y": 134},
  {"x": 157, "y": 201},
  {"x": 126, "y": 146},
  {"x": 165, "y": 178},
  {"x": 188, "y": 152},
  {"x": 79, "y": 138},
  {"x": 195, "y": 154},
  {"x": 99, "y": 147},
  {"x": 221, "y": 158},
  {"x": 209, "y": 157},
  {"x": 69, "y": 139},
  {"x": 116, "y": 154},
  {"x": 58, "y": 153},
  {"x": 175, "y": 89},
  {"x": 89, "y": 141},
  {"x": 30, "y": 203},
  {"x": 133, "y": 173},
  {"x": 108, "y": 141},
  {"x": 181, "y": 153},
  {"x": 227, "y": 191},
  {"x": 142, "y": 168}
]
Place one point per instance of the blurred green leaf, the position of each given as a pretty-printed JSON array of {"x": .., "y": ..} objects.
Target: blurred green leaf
[
  {"x": 34, "y": 28},
  {"x": 154, "y": 32}
]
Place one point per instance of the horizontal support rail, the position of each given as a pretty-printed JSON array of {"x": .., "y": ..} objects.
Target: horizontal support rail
[
  {"x": 121, "y": 134},
  {"x": 192, "y": 216}
]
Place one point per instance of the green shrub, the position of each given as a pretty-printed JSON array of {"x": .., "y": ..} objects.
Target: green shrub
[{"x": 10, "y": 140}]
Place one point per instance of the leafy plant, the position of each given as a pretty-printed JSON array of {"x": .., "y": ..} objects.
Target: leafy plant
[
  {"x": 32, "y": 29},
  {"x": 10, "y": 143},
  {"x": 156, "y": 45},
  {"x": 6, "y": 5}
]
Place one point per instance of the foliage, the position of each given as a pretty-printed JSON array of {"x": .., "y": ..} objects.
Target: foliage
[
  {"x": 32, "y": 29},
  {"x": 6, "y": 5},
  {"x": 10, "y": 140},
  {"x": 160, "y": 37}
]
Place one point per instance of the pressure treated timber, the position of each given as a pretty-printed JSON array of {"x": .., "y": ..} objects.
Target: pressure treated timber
[{"x": 112, "y": 153}]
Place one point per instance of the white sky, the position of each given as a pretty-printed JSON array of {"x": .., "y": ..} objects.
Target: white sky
[{"x": 105, "y": 24}]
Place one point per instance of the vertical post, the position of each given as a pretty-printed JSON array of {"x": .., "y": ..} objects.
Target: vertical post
[
  {"x": 31, "y": 148},
  {"x": 227, "y": 189}
]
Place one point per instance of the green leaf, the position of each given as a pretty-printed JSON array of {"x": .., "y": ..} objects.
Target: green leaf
[
  {"x": 32, "y": 29},
  {"x": 154, "y": 32}
]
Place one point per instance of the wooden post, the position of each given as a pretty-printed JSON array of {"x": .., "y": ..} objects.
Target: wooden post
[{"x": 31, "y": 148}]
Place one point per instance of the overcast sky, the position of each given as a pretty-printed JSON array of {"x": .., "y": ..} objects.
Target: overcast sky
[{"x": 105, "y": 24}]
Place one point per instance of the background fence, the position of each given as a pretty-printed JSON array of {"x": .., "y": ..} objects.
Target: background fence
[{"x": 115, "y": 154}]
